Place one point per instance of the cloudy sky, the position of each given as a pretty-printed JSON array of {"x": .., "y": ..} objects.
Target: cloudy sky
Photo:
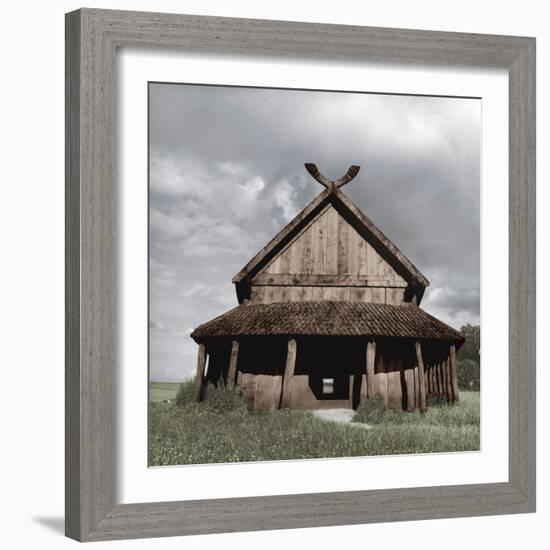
[{"x": 227, "y": 172}]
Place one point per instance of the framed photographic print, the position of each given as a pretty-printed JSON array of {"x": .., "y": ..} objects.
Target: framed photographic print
[{"x": 300, "y": 262}]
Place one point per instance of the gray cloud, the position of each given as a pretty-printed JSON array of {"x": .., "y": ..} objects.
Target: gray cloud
[{"x": 226, "y": 173}]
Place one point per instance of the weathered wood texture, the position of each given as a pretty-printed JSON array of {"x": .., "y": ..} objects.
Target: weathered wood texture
[
  {"x": 409, "y": 387},
  {"x": 454, "y": 373},
  {"x": 395, "y": 391},
  {"x": 330, "y": 246},
  {"x": 289, "y": 373},
  {"x": 448, "y": 381},
  {"x": 381, "y": 379},
  {"x": 232, "y": 372},
  {"x": 93, "y": 37},
  {"x": 300, "y": 293},
  {"x": 199, "y": 377},
  {"x": 421, "y": 378},
  {"x": 370, "y": 360}
]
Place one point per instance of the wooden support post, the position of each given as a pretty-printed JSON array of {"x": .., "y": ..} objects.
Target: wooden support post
[
  {"x": 454, "y": 374},
  {"x": 449, "y": 381},
  {"x": 416, "y": 388},
  {"x": 409, "y": 383},
  {"x": 439, "y": 382},
  {"x": 289, "y": 373},
  {"x": 421, "y": 378},
  {"x": 363, "y": 390},
  {"x": 371, "y": 355},
  {"x": 201, "y": 363},
  {"x": 444, "y": 380},
  {"x": 232, "y": 372},
  {"x": 428, "y": 380}
]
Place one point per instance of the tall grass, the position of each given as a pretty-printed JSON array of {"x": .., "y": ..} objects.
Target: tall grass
[{"x": 221, "y": 429}]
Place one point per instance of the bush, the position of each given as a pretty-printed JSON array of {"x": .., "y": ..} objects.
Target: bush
[
  {"x": 223, "y": 400},
  {"x": 371, "y": 411},
  {"x": 186, "y": 393},
  {"x": 468, "y": 374},
  {"x": 215, "y": 399}
]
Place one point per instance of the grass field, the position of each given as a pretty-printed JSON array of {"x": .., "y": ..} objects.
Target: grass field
[
  {"x": 161, "y": 391},
  {"x": 214, "y": 432}
]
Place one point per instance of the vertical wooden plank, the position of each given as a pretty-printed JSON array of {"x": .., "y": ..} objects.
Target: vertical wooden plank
[
  {"x": 381, "y": 385},
  {"x": 444, "y": 379},
  {"x": 306, "y": 258},
  {"x": 289, "y": 373},
  {"x": 326, "y": 293},
  {"x": 341, "y": 294},
  {"x": 448, "y": 380},
  {"x": 199, "y": 378},
  {"x": 267, "y": 392},
  {"x": 285, "y": 293},
  {"x": 370, "y": 358},
  {"x": 362, "y": 258},
  {"x": 416, "y": 388},
  {"x": 409, "y": 383},
  {"x": 428, "y": 369},
  {"x": 302, "y": 293},
  {"x": 375, "y": 295},
  {"x": 295, "y": 251},
  {"x": 232, "y": 372},
  {"x": 257, "y": 294},
  {"x": 395, "y": 394},
  {"x": 350, "y": 390},
  {"x": 357, "y": 294},
  {"x": 353, "y": 241},
  {"x": 454, "y": 374},
  {"x": 276, "y": 293},
  {"x": 439, "y": 381},
  {"x": 247, "y": 384},
  {"x": 441, "y": 376},
  {"x": 363, "y": 390},
  {"x": 381, "y": 378},
  {"x": 374, "y": 263},
  {"x": 268, "y": 294},
  {"x": 239, "y": 377},
  {"x": 319, "y": 245},
  {"x": 284, "y": 262},
  {"x": 428, "y": 384},
  {"x": 331, "y": 249},
  {"x": 394, "y": 296},
  {"x": 273, "y": 266},
  {"x": 316, "y": 293},
  {"x": 299, "y": 293},
  {"x": 421, "y": 378},
  {"x": 343, "y": 247}
]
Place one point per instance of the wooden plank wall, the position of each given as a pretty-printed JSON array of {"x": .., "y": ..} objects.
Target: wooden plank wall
[
  {"x": 268, "y": 294},
  {"x": 330, "y": 246}
]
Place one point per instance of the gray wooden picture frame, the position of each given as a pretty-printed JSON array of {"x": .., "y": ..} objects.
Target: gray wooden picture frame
[{"x": 92, "y": 38}]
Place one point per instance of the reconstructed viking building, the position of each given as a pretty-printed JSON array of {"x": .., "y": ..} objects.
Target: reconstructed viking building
[{"x": 328, "y": 315}]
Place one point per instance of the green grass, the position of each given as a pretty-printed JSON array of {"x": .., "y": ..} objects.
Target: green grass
[
  {"x": 161, "y": 391},
  {"x": 200, "y": 433}
]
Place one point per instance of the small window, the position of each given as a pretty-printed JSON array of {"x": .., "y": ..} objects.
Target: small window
[{"x": 328, "y": 386}]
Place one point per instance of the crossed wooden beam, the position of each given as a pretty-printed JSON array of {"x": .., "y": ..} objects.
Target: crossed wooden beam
[{"x": 331, "y": 184}]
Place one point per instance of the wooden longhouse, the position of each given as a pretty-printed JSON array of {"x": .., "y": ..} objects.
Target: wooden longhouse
[{"x": 328, "y": 315}]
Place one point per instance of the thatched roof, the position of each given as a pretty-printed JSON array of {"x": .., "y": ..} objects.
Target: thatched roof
[{"x": 327, "y": 319}]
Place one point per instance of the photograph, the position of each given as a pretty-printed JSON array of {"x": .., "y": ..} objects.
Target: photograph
[{"x": 313, "y": 274}]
